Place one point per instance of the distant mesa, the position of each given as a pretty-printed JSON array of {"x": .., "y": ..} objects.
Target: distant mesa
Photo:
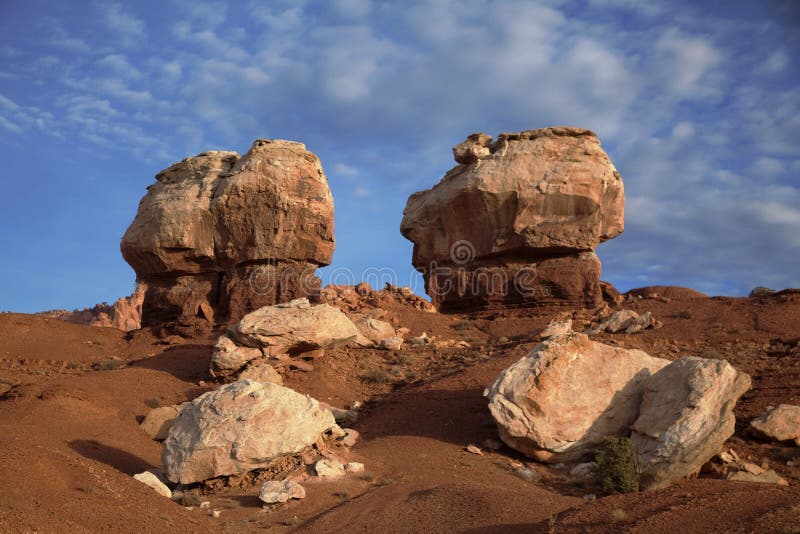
[
  {"x": 517, "y": 221},
  {"x": 219, "y": 235}
]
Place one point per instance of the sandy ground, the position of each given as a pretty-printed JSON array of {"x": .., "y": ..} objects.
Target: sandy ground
[{"x": 72, "y": 398}]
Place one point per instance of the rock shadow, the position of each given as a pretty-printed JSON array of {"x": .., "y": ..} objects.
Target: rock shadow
[
  {"x": 189, "y": 363},
  {"x": 123, "y": 461}
]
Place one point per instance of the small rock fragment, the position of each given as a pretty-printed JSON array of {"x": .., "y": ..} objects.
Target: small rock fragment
[
  {"x": 391, "y": 343},
  {"x": 154, "y": 482},
  {"x": 474, "y": 450},
  {"x": 354, "y": 467},
  {"x": 528, "y": 473},
  {"x": 275, "y": 491},
  {"x": 781, "y": 423},
  {"x": 351, "y": 437},
  {"x": 765, "y": 477},
  {"x": 329, "y": 469}
]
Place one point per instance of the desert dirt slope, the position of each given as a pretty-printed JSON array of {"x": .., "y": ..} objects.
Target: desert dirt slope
[{"x": 72, "y": 397}]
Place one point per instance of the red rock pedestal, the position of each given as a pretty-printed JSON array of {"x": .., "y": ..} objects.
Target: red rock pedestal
[
  {"x": 218, "y": 235},
  {"x": 516, "y": 223}
]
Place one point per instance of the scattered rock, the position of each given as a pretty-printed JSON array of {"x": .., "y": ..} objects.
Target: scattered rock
[
  {"x": 240, "y": 427},
  {"x": 150, "y": 479},
  {"x": 158, "y": 421},
  {"x": 627, "y": 321},
  {"x": 262, "y": 372},
  {"x": 528, "y": 473},
  {"x": 561, "y": 400},
  {"x": 229, "y": 357},
  {"x": 765, "y": 477},
  {"x": 220, "y": 235},
  {"x": 375, "y": 330},
  {"x": 391, "y": 343},
  {"x": 686, "y": 416},
  {"x": 517, "y": 221},
  {"x": 274, "y": 491},
  {"x": 420, "y": 341},
  {"x": 354, "y": 467},
  {"x": 781, "y": 423},
  {"x": 342, "y": 416},
  {"x": 351, "y": 437},
  {"x": 293, "y": 327},
  {"x": 329, "y": 469},
  {"x": 474, "y": 450}
]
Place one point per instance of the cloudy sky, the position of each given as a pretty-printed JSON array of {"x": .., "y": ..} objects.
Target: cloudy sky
[{"x": 698, "y": 107}]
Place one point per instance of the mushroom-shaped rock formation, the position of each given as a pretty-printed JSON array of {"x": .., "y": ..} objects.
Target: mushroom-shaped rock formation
[
  {"x": 517, "y": 221},
  {"x": 219, "y": 235}
]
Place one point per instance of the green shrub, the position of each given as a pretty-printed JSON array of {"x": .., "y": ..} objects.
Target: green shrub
[{"x": 616, "y": 469}]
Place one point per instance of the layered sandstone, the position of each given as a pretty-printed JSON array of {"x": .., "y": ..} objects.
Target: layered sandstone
[
  {"x": 219, "y": 235},
  {"x": 517, "y": 221}
]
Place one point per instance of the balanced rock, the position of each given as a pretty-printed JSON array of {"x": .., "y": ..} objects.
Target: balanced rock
[
  {"x": 561, "y": 400},
  {"x": 781, "y": 423},
  {"x": 240, "y": 427},
  {"x": 219, "y": 235},
  {"x": 517, "y": 221},
  {"x": 685, "y": 418}
]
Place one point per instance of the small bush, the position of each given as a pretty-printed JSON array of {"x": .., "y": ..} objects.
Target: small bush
[
  {"x": 462, "y": 325},
  {"x": 685, "y": 314},
  {"x": 616, "y": 469},
  {"x": 377, "y": 376}
]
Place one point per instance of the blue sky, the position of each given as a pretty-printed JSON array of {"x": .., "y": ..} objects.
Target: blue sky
[{"x": 697, "y": 105}]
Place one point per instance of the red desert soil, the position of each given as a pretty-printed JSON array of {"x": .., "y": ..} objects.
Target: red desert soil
[{"x": 72, "y": 397}]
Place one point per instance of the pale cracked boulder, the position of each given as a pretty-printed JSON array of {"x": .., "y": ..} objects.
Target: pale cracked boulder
[
  {"x": 240, "y": 427},
  {"x": 517, "y": 221},
  {"x": 150, "y": 479},
  {"x": 561, "y": 400},
  {"x": 685, "y": 418},
  {"x": 293, "y": 327},
  {"x": 781, "y": 423},
  {"x": 219, "y": 235}
]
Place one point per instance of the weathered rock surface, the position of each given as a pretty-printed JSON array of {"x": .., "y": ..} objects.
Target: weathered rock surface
[
  {"x": 159, "y": 421},
  {"x": 219, "y": 235},
  {"x": 781, "y": 423},
  {"x": 262, "y": 372},
  {"x": 374, "y": 330},
  {"x": 517, "y": 221},
  {"x": 562, "y": 399},
  {"x": 150, "y": 479},
  {"x": 294, "y": 327},
  {"x": 240, "y": 427},
  {"x": 627, "y": 321},
  {"x": 275, "y": 491},
  {"x": 229, "y": 357},
  {"x": 686, "y": 415}
]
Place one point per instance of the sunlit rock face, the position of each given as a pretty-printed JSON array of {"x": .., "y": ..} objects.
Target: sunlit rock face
[
  {"x": 517, "y": 221},
  {"x": 219, "y": 235}
]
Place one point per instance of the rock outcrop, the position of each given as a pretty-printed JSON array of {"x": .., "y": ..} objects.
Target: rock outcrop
[
  {"x": 517, "y": 221},
  {"x": 561, "y": 400},
  {"x": 240, "y": 427},
  {"x": 219, "y": 235},
  {"x": 291, "y": 328},
  {"x": 125, "y": 314},
  {"x": 685, "y": 418}
]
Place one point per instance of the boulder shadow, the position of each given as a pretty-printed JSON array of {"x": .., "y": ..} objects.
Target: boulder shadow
[
  {"x": 122, "y": 461},
  {"x": 189, "y": 363}
]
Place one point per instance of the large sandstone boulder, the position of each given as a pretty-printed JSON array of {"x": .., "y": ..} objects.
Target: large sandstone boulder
[
  {"x": 561, "y": 400},
  {"x": 685, "y": 418},
  {"x": 220, "y": 235},
  {"x": 240, "y": 427},
  {"x": 517, "y": 221}
]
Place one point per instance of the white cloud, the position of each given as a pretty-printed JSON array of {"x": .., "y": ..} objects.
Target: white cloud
[
  {"x": 685, "y": 60},
  {"x": 119, "y": 65},
  {"x": 127, "y": 28}
]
